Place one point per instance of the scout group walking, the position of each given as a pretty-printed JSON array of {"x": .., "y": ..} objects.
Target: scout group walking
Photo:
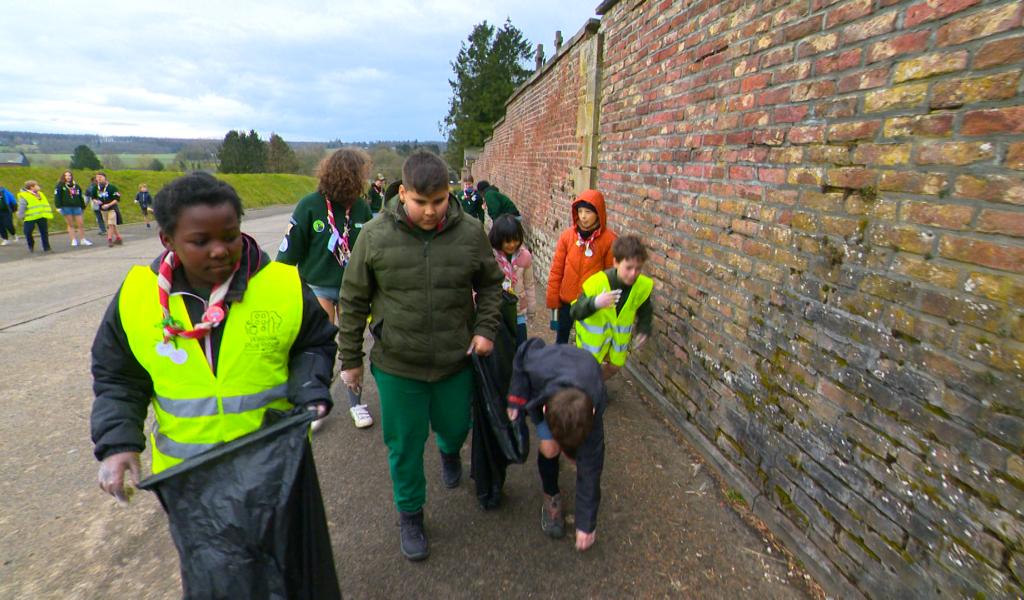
[
  {"x": 32, "y": 207},
  {"x": 416, "y": 267}
]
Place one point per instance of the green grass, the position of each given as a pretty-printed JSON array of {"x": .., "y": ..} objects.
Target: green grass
[{"x": 264, "y": 189}]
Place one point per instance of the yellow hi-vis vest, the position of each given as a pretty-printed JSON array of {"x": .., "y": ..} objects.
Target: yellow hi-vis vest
[
  {"x": 606, "y": 333},
  {"x": 36, "y": 208},
  {"x": 196, "y": 410}
]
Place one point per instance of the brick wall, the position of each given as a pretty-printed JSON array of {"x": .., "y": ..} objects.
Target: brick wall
[
  {"x": 834, "y": 195},
  {"x": 537, "y": 154}
]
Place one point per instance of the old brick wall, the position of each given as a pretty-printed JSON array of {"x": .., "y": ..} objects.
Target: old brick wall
[
  {"x": 834, "y": 196},
  {"x": 537, "y": 154}
]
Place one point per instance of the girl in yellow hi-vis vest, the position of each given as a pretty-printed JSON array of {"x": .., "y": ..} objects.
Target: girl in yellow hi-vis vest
[
  {"x": 615, "y": 303},
  {"x": 179, "y": 338}
]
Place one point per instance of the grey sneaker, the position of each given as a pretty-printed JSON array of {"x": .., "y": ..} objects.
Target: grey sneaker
[
  {"x": 414, "y": 538},
  {"x": 552, "y": 522}
]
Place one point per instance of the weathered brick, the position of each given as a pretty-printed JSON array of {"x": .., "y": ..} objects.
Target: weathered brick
[
  {"x": 930, "y": 10},
  {"x": 1014, "y": 156},
  {"x": 814, "y": 89},
  {"x": 1000, "y": 52},
  {"x": 937, "y": 125},
  {"x": 1001, "y": 221},
  {"x": 994, "y": 188},
  {"x": 907, "y": 43},
  {"x": 907, "y": 239},
  {"x": 852, "y": 177},
  {"x": 862, "y": 30},
  {"x": 903, "y": 96},
  {"x": 996, "y": 120},
  {"x": 790, "y": 114},
  {"x": 882, "y": 154},
  {"x": 980, "y": 24},
  {"x": 913, "y": 182},
  {"x": 848, "y": 11},
  {"x": 998, "y": 256},
  {"x": 925, "y": 270},
  {"x": 951, "y": 94},
  {"x": 954, "y": 153},
  {"x": 930, "y": 65},
  {"x": 806, "y": 134},
  {"x": 830, "y": 155},
  {"x": 805, "y": 176},
  {"x": 948, "y": 216},
  {"x": 803, "y": 28},
  {"x": 854, "y": 130},
  {"x": 818, "y": 44},
  {"x": 863, "y": 80},
  {"x": 1001, "y": 288}
]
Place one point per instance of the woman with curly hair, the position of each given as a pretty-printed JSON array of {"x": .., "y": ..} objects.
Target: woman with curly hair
[{"x": 321, "y": 234}]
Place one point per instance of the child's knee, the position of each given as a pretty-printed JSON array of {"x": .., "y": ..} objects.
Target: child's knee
[{"x": 549, "y": 448}]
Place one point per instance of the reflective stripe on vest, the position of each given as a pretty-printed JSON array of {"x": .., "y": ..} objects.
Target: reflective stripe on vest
[
  {"x": 606, "y": 333},
  {"x": 195, "y": 410},
  {"x": 36, "y": 208}
]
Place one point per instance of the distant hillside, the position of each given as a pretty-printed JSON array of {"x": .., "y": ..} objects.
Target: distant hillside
[{"x": 56, "y": 143}]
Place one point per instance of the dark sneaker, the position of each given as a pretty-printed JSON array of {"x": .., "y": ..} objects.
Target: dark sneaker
[
  {"x": 552, "y": 523},
  {"x": 451, "y": 469},
  {"x": 414, "y": 538}
]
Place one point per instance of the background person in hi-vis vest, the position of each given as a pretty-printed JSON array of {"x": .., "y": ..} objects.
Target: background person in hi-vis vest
[
  {"x": 177, "y": 336},
  {"x": 615, "y": 303}
]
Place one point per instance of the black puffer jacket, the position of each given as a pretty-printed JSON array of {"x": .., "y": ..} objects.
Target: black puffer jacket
[{"x": 420, "y": 286}]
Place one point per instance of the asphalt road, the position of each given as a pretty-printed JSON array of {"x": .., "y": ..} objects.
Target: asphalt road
[{"x": 665, "y": 529}]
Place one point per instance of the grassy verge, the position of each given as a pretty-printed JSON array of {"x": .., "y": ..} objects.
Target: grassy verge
[{"x": 263, "y": 189}]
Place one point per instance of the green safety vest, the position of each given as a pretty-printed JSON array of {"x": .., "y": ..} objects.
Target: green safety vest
[
  {"x": 606, "y": 333},
  {"x": 195, "y": 409},
  {"x": 36, "y": 208}
]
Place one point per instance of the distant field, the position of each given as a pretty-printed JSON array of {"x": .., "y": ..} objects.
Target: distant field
[
  {"x": 129, "y": 161},
  {"x": 263, "y": 189}
]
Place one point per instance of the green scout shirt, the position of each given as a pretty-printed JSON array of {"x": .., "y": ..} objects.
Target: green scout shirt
[{"x": 309, "y": 231}]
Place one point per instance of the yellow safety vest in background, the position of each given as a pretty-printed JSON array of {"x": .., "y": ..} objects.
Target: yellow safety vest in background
[
  {"x": 195, "y": 410},
  {"x": 606, "y": 333},
  {"x": 36, "y": 208}
]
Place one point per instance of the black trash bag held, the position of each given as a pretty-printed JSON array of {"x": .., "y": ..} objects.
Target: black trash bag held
[
  {"x": 248, "y": 519},
  {"x": 497, "y": 442}
]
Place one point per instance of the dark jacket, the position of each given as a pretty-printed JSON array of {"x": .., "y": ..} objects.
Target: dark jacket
[
  {"x": 68, "y": 196},
  {"x": 584, "y": 306},
  {"x": 498, "y": 204},
  {"x": 124, "y": 389},
  {"x": 472, "y": 203},
  {"x": 375, "y": 198},
  {"x": 420, "y": 287},
  {"x": 539, "y": 371}
]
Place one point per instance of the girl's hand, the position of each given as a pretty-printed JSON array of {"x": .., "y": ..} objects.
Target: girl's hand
[{"x": 606, "y": 299}]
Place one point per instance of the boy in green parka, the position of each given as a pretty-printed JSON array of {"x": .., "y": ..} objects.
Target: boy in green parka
[{"x": 415, "y": 270}]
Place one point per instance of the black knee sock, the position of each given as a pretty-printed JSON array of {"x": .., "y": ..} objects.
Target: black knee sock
[{"x": 548, "y": 468}]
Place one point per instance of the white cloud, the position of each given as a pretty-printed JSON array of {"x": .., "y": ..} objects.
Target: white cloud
[{"x": 308, "y": 69}]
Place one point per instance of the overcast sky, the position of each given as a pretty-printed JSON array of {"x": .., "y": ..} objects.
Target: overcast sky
[{"x": 355, "y": 70}]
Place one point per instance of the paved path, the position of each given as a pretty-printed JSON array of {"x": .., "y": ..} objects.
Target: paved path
[{"x": 665, "y": 530}]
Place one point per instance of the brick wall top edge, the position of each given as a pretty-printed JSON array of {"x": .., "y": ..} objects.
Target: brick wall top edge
[
  {"x": 588, "y": 30},
  {"x": 605, "y": 6}
]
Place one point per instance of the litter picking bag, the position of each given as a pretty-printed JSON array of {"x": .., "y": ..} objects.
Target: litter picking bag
[
  {"x": 248, "y": 519},
  {"x": 497, "y": 442}
]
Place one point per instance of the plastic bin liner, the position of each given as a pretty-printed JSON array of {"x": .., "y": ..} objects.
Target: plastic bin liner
[
  {"x": 247, "y": 517},
  {"x": 497, "y": 442}
]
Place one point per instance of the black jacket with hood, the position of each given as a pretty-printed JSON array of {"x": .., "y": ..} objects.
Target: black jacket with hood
[
  {"x": 538, "y": 371},
  {"x": 124, "y": 388}
]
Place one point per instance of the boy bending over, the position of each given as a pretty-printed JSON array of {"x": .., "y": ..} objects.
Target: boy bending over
[{"x": 561, "y": 387}]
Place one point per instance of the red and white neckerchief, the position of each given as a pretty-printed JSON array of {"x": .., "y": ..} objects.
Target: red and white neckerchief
[
  {"x": 508, "y": 268},
  {"x": 341, "y": 250},
  {"x": 586, "y": 243},
  {"x": 173, "y": 328}
]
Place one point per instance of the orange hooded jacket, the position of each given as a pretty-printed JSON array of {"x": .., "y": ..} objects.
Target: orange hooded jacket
[{"x": 571, "y": 267}]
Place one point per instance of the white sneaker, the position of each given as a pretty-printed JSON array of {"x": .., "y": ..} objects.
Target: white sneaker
[
  {"x": 85, "y": 242},
  {"x": 4, "y": 242},
  {"x": 74, "y": 242},
  {"x": 361, "y": 416},
  {"x": 317, "y": 424}
]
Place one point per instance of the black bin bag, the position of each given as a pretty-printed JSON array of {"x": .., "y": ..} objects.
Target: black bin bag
[
  {"x": 497, "y": 442},
  {"x": 247, "y": 517}
]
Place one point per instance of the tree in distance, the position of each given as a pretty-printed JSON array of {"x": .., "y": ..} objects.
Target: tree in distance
[
  {"x": 242, "y": 153},
  {"x": 488, "y": 68},
  {"x": 280, "y": 156},
  {"x": 156, "y": 165},
  {"x": 84, "y": 158}
]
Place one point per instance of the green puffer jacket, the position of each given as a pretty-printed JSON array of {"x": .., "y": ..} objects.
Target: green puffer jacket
[{"x": 420, "y": 286}]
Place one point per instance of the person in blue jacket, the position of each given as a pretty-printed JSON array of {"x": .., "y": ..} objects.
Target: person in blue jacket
[{"x": 8, "y": 204}]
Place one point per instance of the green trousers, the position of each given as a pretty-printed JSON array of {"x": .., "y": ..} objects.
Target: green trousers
[{"x": 409, "y": 408}]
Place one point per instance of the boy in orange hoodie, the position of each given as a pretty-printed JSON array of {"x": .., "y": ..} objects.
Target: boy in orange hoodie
[{"x": 583, "y": 249}]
